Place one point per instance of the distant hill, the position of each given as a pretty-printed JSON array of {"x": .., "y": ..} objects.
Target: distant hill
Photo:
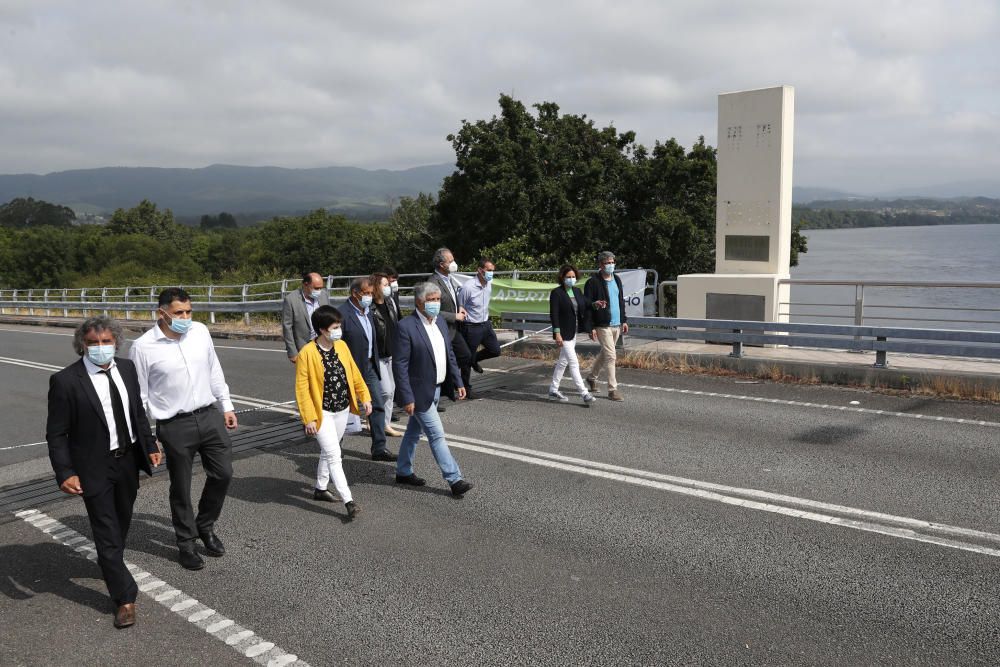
[
  {"x": 229, "y": 188},
  {"x": 807, "y": 195}
]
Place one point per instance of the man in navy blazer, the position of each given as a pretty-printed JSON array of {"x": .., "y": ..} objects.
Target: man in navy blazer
[
  {"x": 359, "y": 334},
  {"x": 423, "y": 360},
  {"x": 99, "y": 439}
]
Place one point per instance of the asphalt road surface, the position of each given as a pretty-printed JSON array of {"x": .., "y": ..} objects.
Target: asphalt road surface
[{"x": 702, "y": 521}]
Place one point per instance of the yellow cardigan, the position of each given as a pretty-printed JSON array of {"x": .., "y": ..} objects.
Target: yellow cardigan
[{"x": 309, "y": 373}]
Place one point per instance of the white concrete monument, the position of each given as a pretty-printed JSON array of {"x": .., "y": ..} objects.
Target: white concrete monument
[{"x": 753, "y": 218}]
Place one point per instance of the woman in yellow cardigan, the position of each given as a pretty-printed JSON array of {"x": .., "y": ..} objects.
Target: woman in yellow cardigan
[{"x": 328, "y": 385}]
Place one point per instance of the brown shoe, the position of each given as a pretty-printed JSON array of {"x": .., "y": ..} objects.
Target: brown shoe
[
  {"x": 125, "y": 616},
  {"x": 393, "y": 433},
  {"x": 615, "y": 395},
  {"x": 592, "y": 384}
]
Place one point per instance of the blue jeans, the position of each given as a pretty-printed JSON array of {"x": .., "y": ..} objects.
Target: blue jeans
[{"x": 430, "y": 423}]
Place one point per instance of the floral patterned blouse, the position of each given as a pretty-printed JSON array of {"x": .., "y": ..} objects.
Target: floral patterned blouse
[{"x": 335, "y": 391}]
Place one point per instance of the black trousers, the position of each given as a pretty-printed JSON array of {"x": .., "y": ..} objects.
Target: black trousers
[
  {"x": 110, "y": 514},
  {"x": 464, "y": 358},
  {"x": 475, "y": 335},
  {"x": 205, "y": 434},
  {"x": 376, "y": 421}
]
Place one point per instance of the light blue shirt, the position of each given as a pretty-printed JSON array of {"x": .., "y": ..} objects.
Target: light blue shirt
[
  {"x": 475, "y": 298},
  {"x": 311, "y": 305},
  {"x": 616, "y": 311},
  {"x": 366, "y": 324}
]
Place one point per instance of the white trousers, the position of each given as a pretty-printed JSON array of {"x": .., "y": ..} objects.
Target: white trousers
[
  {"x": 331, "y": 465},
  {"x": 568, "y": 359},
  {"x": 353, "y": 424},
  {"x": 388, "y": 387}
]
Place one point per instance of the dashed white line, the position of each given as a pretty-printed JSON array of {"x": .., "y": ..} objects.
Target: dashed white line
[{"x": 243, "y": 640}]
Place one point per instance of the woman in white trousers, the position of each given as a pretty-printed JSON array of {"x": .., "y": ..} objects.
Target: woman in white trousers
[
  {"x": 328, "y": 387},
  {"x": 569, "y": 313}
]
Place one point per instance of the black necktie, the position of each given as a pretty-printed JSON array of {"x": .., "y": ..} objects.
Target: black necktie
[{"x": 121, "y": 426}]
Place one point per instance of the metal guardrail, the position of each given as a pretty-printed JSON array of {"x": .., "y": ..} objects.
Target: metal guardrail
[
  {"x": 242, "y": 299},
  {"x": 881, "y": 340},
  {"x": 866, "y": 301}
]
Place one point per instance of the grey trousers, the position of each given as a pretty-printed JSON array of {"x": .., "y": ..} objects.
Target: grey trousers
[{"x": 203, "y": 433}]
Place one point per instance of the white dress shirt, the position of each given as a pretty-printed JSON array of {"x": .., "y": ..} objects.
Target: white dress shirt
[
  {"x": 103, "y": 390},
  {"x": 437, "y": 344},
  {"x": 179, "y": 375}
]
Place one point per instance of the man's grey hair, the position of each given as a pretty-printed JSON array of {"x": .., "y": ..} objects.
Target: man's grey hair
[
  {"x": 360, "y": 283},
  {"x": 603, "y": 255},
  {"x": 98, "y": 323},
  {"x": 423, "y": 290},
  {"x": 438, "y": 257}
]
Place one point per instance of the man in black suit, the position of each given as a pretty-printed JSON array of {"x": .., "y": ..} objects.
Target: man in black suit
[
  {"x": 359, "y": 333},
  {"x": 99, "y": 439},
  {"x": 452, "y": 313}
]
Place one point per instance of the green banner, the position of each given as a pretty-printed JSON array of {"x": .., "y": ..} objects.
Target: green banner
[{"x": 520, "y": 296}]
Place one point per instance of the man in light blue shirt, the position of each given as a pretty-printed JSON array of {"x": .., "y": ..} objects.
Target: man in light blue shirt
[
  {"x": 477, "y": 328},
  {"x": 609, "y": 321}
]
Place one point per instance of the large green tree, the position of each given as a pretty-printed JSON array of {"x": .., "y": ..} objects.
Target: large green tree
[{"x": 22, "y": 213}]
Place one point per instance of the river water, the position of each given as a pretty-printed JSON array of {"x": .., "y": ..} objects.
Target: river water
[{"x": 945, "y": 253}]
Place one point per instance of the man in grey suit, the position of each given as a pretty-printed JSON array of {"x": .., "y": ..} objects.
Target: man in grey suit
[
  {"x": 296, "y": 313},
  {"x": 444, "y": 265}
]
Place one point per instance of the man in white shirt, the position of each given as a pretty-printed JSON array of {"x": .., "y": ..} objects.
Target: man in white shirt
[
  {"x": 181, "y": 382},
  {"x": 423, "y": 359}
]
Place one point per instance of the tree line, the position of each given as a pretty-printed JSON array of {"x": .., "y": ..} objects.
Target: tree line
[{"x": 531, "y": 189}]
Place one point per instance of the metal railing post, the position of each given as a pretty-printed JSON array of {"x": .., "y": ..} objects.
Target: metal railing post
[
  {"x": 737, "y": 352},
  {"x": 104, "y": 299},
  {"x": 152, "y": 299},
  {"x": 128, "y": 313},
  {"x": 45, "y": 295},
  {"x": 65, "y": 296},
  {"x": 211, "y": 313},
  {"x": 31, "y": 309},
  {"x": 880, "y": 355}
]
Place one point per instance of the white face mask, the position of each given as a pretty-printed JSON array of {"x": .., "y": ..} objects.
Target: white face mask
[
  {"x": 386, "y": 291},
  {"x": 394, "y": 286},
  {"x": 333, "y": 335},
  {"x": 453, "y": 267}
]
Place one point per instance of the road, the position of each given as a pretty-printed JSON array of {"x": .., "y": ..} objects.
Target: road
[{"x": 702, "y": 521}]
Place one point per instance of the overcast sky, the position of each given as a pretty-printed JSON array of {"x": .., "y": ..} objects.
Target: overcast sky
[{"x": 889, "y": 93}]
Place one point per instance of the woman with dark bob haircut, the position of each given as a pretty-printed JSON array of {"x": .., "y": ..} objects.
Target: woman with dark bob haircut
[
  {"x": 569, "y": 313},
  {"x": 328, "y": 386}
]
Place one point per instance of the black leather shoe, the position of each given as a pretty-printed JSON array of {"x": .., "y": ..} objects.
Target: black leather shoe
[
  {"x": 324, "y": 495},
  {"x": 459, "y": 488},
  {"x": 189, "y": 558},
  {"x": 411, "y": 479},
  {"x": 213, "y": 545},
  {"x": 352, "y": 509},
  {"x": 476, "y": 367},
  {"x": 384, "y": 455}
]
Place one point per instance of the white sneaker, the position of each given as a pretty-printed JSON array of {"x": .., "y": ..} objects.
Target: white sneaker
[
  {"x": 558, "y": 396},
  {"x": 588, "y": 399}
]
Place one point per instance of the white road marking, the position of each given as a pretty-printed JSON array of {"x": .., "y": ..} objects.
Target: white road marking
[
  {"x": 261, "y": 403},
  {"x": 30, "y": 364},
  {"x": 782, "y": 401},
  {"x": 30, "y": 444},
  {"x": 244, "y": 641},
  {"x": 874, "y": 522},
  {"x": 251, "y": 349}
]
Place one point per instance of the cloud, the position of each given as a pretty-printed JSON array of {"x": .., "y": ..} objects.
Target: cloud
[{"x": 380, "y": 84}]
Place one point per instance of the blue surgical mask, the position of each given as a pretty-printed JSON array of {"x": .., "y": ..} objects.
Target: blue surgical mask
[
  {"x": 386, "y": 292},
  {"x": 488, "y": 275},
  {"x": 569, "y": 282},
  {"x": 315, "y": 293},
  {"x": 366, "y": 301},
  {"x": 333, "y": 335},
  {"x": 609, "y": 269},
  {"x": 101, "y": 354},
  {"x": 432, "y": 308},
  {"x": 180, "y": 326}
]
